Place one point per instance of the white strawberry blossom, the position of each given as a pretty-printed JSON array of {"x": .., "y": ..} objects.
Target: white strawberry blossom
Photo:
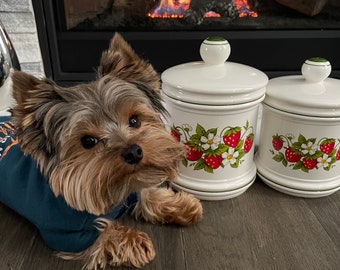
[
  {"x": 187, "y": 127},
  {"x": 308, "y": 148},
  {"x": 230, "y": 157},
  {"x": 324, "y": 161},
  {"x": 211, "y": 141}
]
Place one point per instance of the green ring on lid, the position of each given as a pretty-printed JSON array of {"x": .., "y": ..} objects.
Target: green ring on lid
[
  {"x": 317, "y": 59},
  {"x": 215, "y": 39}
]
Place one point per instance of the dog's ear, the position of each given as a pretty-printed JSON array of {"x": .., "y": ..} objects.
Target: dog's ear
[
  {"x": 122, "y": 62},
  {"x": 26, "y": 87},
  {"x": 36, "y": 113}
]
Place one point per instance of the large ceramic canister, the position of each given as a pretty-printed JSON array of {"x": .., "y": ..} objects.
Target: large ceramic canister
[
  {"x": 300, "y": 133},
  {"x": 214, "y": 109}
]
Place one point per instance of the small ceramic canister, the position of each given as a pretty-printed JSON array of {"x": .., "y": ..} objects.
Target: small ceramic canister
[
  {"x": 300, "y": 133},
  {"x": 214, "y": 108}
]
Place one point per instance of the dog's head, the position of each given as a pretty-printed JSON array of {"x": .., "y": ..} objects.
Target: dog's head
[{"x": 97, "y": 142}]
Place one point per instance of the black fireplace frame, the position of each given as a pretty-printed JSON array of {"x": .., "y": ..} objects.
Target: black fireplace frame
[{"x": 70, "y": 57}]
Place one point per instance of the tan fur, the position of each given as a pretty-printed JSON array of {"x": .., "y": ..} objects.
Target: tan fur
[
  {"x": 50, "y": 123},
  {"x": 116, "y": 245},
  {"x": 165, "y": 206}
]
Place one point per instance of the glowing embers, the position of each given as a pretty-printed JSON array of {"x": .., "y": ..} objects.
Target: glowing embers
[
  {"x": 212, "y": 14},
  {"x": 244, "y": 9},
  {"x": 175, "y": 9},
  {"x": 170, "y": 9}
]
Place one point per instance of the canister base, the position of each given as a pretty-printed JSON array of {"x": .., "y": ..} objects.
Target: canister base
[
  {"x": 216, "y": 196},
  {"x": 297, "y": 192}
]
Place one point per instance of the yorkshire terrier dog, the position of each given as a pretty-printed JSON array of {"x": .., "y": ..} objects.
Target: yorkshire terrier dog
[{"x": 75, "y": 159}]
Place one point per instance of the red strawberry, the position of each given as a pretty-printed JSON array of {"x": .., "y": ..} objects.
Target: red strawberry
[
  {"x": 309, "y": 163},
  {"x": 232, "y": 137},
  {"x": 192, "y": 154},
  {"x": 291, "y": 155},
  {"x": 327, "y": 146},
  {"x": 176, "y": 134},
  {"x": 277, "y": 142},
  {"x": 338, "y": 154},
  {"x": 213, "y": 161},
  {"x": 248, "y": 143}
]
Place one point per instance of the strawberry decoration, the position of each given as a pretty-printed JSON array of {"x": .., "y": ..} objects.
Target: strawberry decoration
[
  {"x": 338, "y": 154},
  {"x": 192, "y": 154},
  {"x": 213, "y": 161},
  {"x": 211, "y": 149},
  {"x": 305, "y": 154},
  {"x": 277, "y": 142},
  {"x": 248, "y": 143},
  {"x": 176, "y": 134},
  {"x": 309, "y": 163},
  {"x": 232, "y": 137},
  {"x": 292, "y": 155},
  {"x": 327, "y": 146}
]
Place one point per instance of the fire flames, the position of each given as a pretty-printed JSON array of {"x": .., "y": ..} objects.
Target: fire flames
[
  {"x": 244, "y": 9},
  {"x": 175, "y": 9},
  {"x": 170, "y": 9}
]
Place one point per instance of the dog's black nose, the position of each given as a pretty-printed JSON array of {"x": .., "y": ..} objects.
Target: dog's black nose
[{"x": 133, "y": 154}]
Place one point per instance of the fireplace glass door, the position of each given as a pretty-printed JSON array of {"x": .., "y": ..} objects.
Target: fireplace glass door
[
  {"x": 275, "y": 36},
  {"x": 153, "y": 15}
]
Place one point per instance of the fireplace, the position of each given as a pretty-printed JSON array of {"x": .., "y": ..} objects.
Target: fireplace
[{"x": 275, "y": 36}]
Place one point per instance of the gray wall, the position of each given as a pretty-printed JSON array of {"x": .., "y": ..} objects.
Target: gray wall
[{"x": 18, "y": 18}]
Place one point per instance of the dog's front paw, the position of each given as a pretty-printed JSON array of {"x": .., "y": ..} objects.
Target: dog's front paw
[
  {"x": 133, "y": 248},
  {"x": 116, "y": 245},
  {"x": 166, "y": 206}
]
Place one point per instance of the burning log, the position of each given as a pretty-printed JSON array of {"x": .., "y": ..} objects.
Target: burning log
[
  {"x": 199, "y": 8},
  {"x": 310, "y": 8}
]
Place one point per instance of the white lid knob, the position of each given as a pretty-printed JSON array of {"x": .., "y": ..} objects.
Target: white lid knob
[
  {"x": 215, "y": 50},
  {"x": 316, "y": 69}
]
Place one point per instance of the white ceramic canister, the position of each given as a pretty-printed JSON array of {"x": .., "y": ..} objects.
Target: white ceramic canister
[
  {"x": 300, "y": 133},
  {"x": 214, "y": 108}
]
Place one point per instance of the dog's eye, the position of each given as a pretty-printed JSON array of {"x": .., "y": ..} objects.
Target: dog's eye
[
  {"x": 134, "y": 122},
  {"x": 88, "y": 141}
]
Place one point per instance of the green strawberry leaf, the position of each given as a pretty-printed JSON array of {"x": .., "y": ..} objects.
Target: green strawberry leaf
[
  {"x": 200, "y": 131},
  {"x": 221, "y": 149},
  {"x": 302, "y": 139},
  {"x": 247, "y": 125},
  {"x": 298, "y": 165},
  {"x": 327, "y": 168},
  {"x": 235, "y": 165},
  {"x": 195, "y": 139},
  {"x": 316, "y": 155},
  {"x": 200, "y": 164},
  {"x": 297, "y": 145},
  {"x": 304, "y": 169},
  {"x": 240, "y": 144},
  {"x": 279, "y": 157},
  {"x": 213, "y": 131},
  {"x": 208, "y": 169},
  {"x": 241, "y": 153}
]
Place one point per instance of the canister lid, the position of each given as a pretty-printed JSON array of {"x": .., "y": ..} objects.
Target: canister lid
[
  {"x": 214, "y": 81},
  {"x": 312, "y": 94}
]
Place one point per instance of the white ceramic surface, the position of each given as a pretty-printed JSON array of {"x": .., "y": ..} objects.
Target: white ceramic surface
[
  {"x": 215, "y": 52},
  {"x": 297, "y": 192},
  {"x": 299, "y": 145},
  {"x": 220, "y": 84},
  {"x": 216, "y": 196},
  {"x": 214, "y": 112},
  {"x": 316, "y": 69}
]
